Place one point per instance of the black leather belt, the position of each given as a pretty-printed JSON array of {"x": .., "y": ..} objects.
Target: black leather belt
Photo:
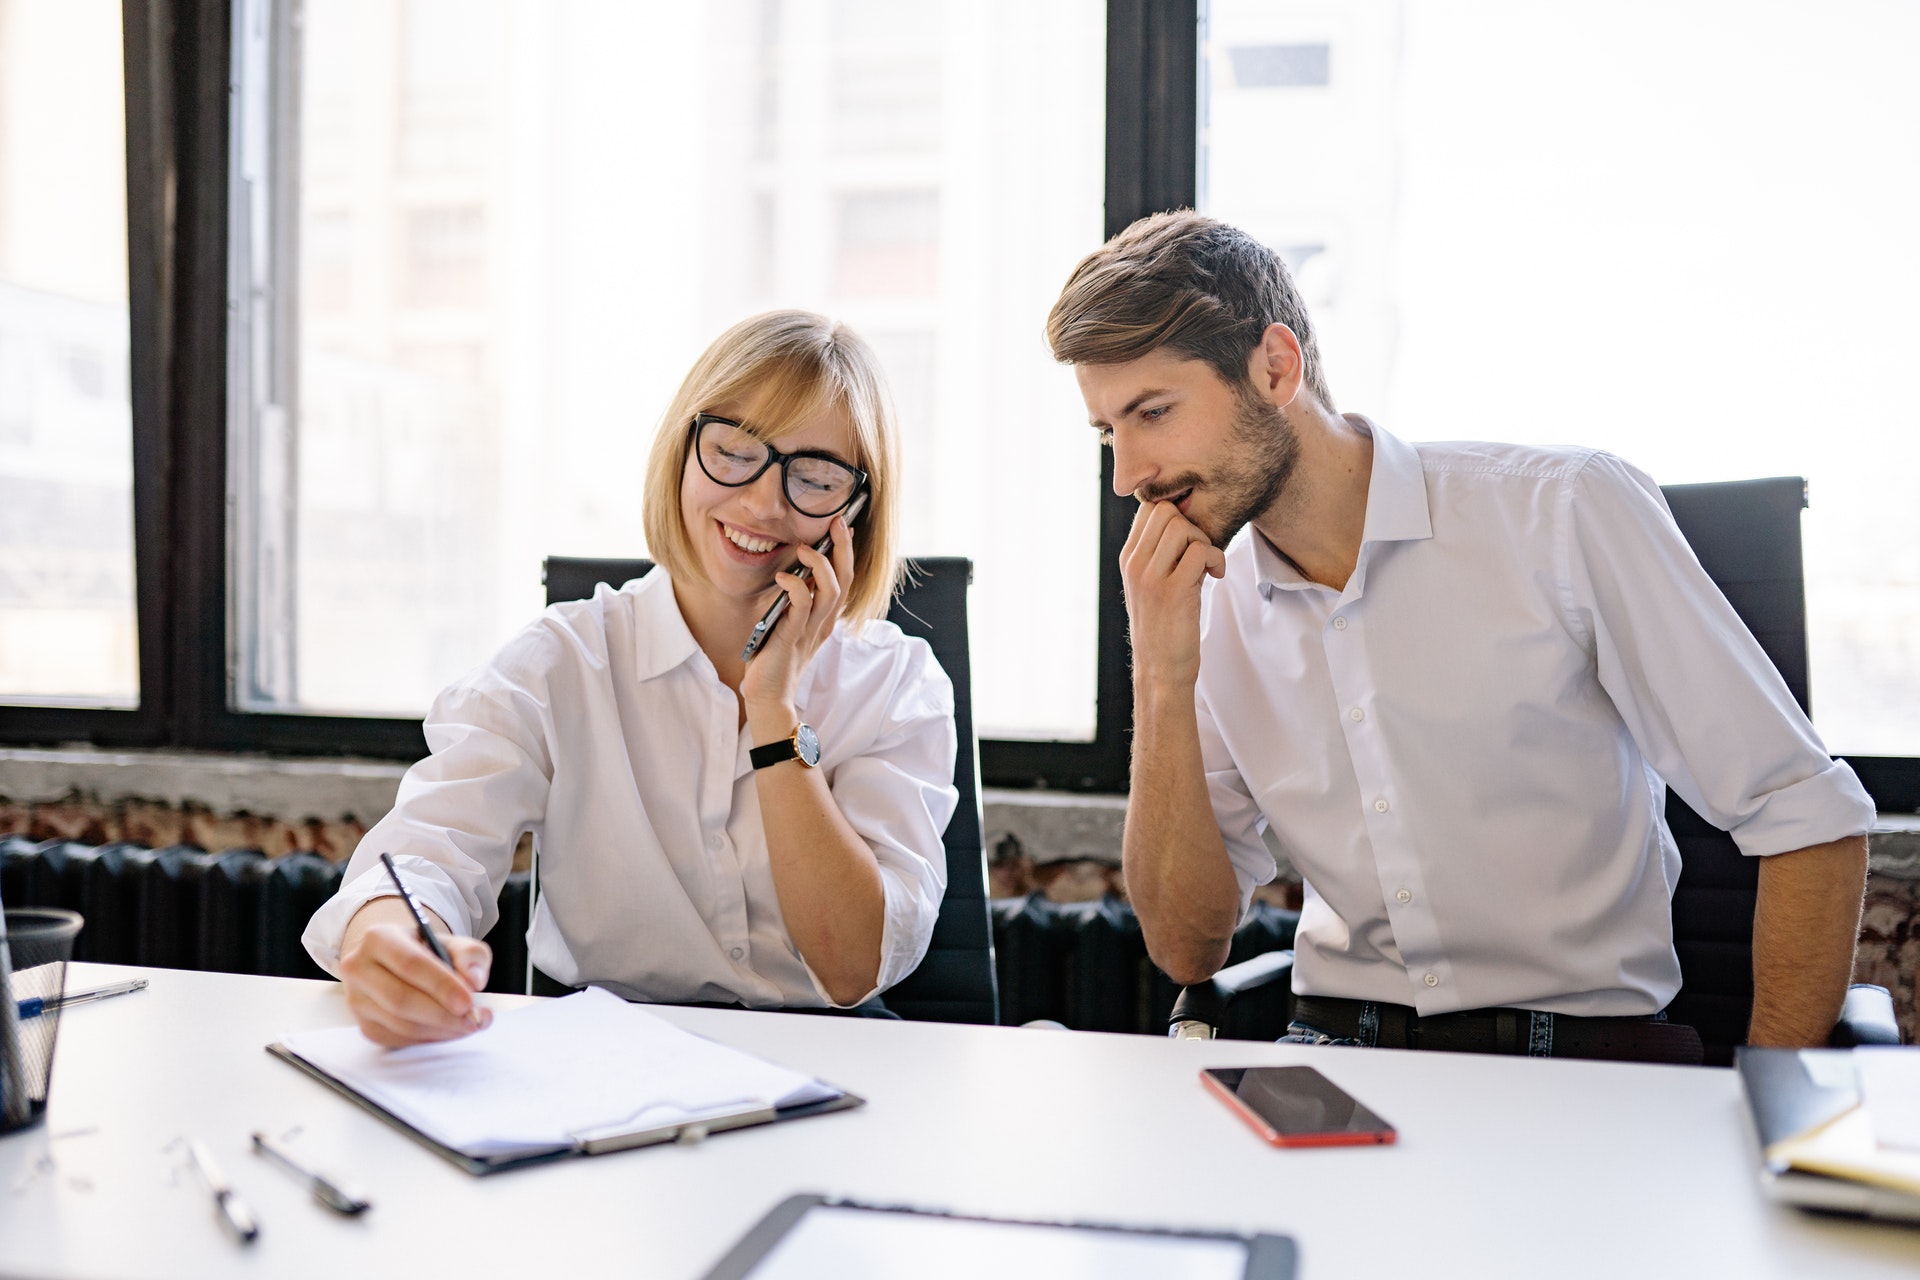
[{"x": 1514, "y": 1031}]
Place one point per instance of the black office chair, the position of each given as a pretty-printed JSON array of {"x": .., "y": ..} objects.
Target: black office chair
[
  {"x": 955, "y": 981},
  {"x": 1746, "y": 534}
]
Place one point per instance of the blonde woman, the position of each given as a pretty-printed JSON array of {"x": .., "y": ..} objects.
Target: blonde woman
[{"x": 760, "y": 832}]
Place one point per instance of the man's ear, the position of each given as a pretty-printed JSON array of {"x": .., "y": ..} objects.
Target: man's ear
[{"x": 1277, "y": 367}]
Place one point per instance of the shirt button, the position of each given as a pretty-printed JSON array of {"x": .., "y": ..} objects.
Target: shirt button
[
  {"x": 1380, "y": 806},
  {"x": 1433, "y": 980},
  {"x": 736, "y": 953},
  {"x": 1356, "y": 715},
  {"x": 1403, "y": 896},
  {"x": 716, "y": 843},
  {"x": 1339, "y": 623}
]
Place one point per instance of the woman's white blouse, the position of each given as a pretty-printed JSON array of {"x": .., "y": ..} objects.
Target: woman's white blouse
[{"x": 604, "y": 729}]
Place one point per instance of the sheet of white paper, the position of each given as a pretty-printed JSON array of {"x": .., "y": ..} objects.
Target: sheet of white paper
[
  {"x": 1890, "y": 1087},
  {"x": 545, "y": 1075},
  {"x": 856, "y": 1243}
]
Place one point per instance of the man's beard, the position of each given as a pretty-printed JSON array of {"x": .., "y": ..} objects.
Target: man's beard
[{"x": 1258, "y": 467}]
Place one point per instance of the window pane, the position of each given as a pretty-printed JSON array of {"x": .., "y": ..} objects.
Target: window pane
[
  {"x": 1680, "y": 230},
  {"x": 517, "y": 224},
  {"x": 66, "y": 444}
]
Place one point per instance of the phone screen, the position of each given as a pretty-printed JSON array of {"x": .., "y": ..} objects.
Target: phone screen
[{"x": 1296, "y": 1106}]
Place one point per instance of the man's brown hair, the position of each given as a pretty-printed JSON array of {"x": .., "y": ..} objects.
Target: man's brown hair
[{"x": 1184, "y": 281}]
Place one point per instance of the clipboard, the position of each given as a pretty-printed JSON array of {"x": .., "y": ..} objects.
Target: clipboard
[
  {"x": 581, "y": 1075},
  {"x": 777, "y": 1247},
  {"x": 685, "y": 1132}
]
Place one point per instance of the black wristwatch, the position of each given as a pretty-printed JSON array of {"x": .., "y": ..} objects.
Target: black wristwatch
[{"x": 803, "y": 746}]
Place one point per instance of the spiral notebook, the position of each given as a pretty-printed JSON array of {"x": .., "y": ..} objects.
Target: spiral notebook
[{"x": 581, "y": 1075}]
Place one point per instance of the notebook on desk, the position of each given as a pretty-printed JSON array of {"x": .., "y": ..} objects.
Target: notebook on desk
[
  {"x": 582, "y": 1075},
  {"x": 1821, "y": 1145}
]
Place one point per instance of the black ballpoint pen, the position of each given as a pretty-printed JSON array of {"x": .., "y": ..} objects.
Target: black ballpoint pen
[
  {"x": 329, "y": 1192},
  {"x": 419, "y": 920}
]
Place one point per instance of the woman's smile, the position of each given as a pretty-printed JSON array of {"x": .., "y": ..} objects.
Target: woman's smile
[{"x": 746, "y": 546}]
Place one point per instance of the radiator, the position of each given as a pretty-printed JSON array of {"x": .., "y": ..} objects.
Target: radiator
[
  {"x": 1084, "y": 964},
  {"x": 1080, "y": 963},
  {"x": 182, "y": 908}
]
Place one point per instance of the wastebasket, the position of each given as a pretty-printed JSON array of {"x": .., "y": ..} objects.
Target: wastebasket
[{"x": 35, "y": 946}]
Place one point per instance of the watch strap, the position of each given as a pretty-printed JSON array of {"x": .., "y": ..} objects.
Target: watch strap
[{"x": 773, "y": 753}]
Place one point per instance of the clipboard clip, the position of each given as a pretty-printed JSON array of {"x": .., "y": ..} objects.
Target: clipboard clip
[{"x": 686, "y": 1133}]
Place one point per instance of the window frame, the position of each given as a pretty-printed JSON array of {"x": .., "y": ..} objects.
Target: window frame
[
  {"x": 1153, "y": 100},
  {"x": 179, "y": 67},
  {"x": 149, "y": 45}
]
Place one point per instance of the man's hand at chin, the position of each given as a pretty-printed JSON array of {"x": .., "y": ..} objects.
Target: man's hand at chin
[{"x": 1164, "y": 562}]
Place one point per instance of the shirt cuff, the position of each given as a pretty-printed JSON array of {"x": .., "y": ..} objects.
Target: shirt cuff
[
  {"x": 905, "y": 931},
  {"x": 1830, "y": 805},
  {"x": 900, "y": 921},
  {"x": 427, "y": 883},
  {"x": 1253, "y": 866}
]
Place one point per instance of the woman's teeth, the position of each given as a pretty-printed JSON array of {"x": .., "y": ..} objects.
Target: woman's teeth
[{"x": 747, "y": 542}]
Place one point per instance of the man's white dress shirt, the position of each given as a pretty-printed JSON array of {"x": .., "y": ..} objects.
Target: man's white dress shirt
[
  {"x": 1463, "y": 752},
  {"x": 604, "y": 729}
]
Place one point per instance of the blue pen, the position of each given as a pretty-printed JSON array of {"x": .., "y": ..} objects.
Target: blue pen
[{"x": 37, "y": 1005}]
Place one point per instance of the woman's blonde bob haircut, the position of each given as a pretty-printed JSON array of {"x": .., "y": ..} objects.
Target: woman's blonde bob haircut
[{"x": 772, "y": 371}]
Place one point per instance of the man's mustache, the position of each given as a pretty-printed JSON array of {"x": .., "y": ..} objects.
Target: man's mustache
[{"x": 1171, "y": 489}]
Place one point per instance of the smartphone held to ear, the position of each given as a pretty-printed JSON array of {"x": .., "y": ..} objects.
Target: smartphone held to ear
[
  {"x": 1296, "y": 1107},
  {"x": 779, "y": 606}
]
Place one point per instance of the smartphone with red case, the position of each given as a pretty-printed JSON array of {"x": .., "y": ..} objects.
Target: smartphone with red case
[{"x": 1296, "y": 1107}]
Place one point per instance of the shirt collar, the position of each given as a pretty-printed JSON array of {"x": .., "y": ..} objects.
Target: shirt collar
[
  {"x": 661, "y": 640},
  {"x": 1397, "y": 490},
  {"x": 1396, "y": 512}
]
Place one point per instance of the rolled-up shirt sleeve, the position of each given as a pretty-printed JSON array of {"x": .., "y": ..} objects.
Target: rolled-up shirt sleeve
[
  {"x": 1701, "y": 698},
  {"x": 898, "y": 796},
  {"x": 1235, "y": 811},
  {"x": 459, "y": 814}
]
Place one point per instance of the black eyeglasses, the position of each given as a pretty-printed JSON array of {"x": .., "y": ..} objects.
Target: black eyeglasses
[{"x": 816, "y": 484}]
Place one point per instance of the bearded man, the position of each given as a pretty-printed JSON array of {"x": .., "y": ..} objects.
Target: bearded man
[{"x": 1453, "y": 679}]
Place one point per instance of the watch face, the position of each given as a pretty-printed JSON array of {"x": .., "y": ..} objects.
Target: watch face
[{"x": 806, "y": 745}]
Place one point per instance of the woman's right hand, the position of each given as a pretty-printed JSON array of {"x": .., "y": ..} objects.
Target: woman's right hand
[{"x": 399, "y": 992}]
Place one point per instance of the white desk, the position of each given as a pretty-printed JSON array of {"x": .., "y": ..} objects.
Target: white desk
[{"x": 1505, "y": 1167}]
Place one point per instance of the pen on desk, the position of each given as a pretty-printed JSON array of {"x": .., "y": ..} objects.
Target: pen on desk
[
  {"x": 37, "y": 1005},
  {"x": 330, "y": 1192},
  {"x": 419, "y": 920},
  {"x": 234, "y": 1214}
]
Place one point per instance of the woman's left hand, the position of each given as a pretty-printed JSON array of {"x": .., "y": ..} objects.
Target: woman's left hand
[
  {"x": 814, "y": 606},
  {"x": 825, "y": 875}
]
